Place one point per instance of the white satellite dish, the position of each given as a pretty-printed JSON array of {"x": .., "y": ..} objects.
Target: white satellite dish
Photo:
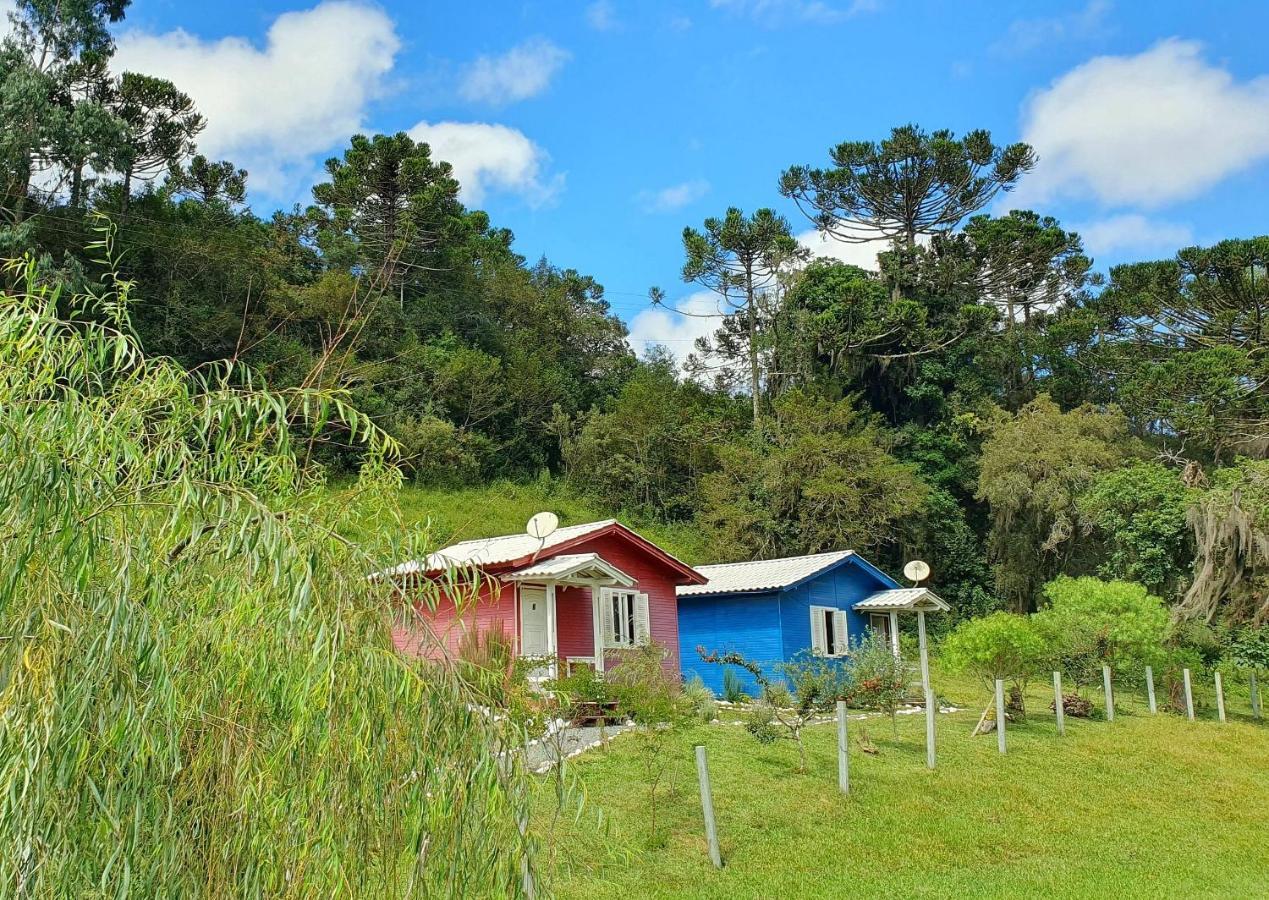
[
  {"x": 916, "y": 571},
  {"x": 541, "y": 525}
]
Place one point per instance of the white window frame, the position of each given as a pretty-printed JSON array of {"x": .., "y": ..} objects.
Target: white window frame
[
  {"x": 826, "y": 621},
  {"x": 625, "y": 620}
]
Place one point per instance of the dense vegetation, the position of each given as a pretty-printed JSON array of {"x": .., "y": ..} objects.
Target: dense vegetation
[
  {"x": 189, "y": 648},
  {"x": 987, "y": 400}
]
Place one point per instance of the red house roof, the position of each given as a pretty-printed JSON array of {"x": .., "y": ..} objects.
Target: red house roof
[{"x": 494, "y": 554}]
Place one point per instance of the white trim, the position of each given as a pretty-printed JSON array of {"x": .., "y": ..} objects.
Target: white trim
[
  {"x": 597, "y": 621},
  {"x": 894, "y": 631},
  {"x": 820, "y": 615}
]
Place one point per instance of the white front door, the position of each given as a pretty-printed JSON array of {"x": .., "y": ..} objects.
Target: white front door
[
  {"x": 880, "y": 624},
  {"x": 534, "y": 621}
]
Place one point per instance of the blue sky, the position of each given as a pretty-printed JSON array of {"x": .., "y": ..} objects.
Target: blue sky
[{"x": 597, "y": 130}]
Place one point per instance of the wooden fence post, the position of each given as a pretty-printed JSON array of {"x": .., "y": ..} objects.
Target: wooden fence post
[
  {"x": 930, "y": 707},
  {"x": 843, "y": 753},
  {"x": 1150, "y": 689},
  {"x": 1000, "y": 715},
  {"x": 1255, "y": 696},
  {"x": 707, "y": 806},
  {"x": 1220, "y": 698},
  {"x": 1110, "y": 694},
  {"x": 1189, "y": 697},
  {"x": 1059, "y": 708}
]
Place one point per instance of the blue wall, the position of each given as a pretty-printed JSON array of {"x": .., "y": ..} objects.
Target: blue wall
[
  {"x": 746, "y": 623},
  {"x": 770, "y": 628}
]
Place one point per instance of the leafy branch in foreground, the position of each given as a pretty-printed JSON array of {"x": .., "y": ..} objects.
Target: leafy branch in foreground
[{"x": 198, "y": 689}]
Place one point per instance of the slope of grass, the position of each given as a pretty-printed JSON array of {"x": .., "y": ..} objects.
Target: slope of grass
[
  {"x": 503, "y": 507},
  {"x": 1148, "y": 806}
]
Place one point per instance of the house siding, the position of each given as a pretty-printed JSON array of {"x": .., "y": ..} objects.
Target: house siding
[
  {"x": 495, "y": 607},
  {"x": 773, "y": 626},
  {"x": 576, "y": 625},
  {"x": 840, "y": 588},
  {"x": 748, "y": 624},
  {"x": 653, "y": 578}
]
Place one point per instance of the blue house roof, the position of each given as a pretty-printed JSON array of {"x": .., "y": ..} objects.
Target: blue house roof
[{"x": 775, "y": 575}]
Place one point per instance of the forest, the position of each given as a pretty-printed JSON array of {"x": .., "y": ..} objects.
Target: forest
[{"x": 989, "y": 400}]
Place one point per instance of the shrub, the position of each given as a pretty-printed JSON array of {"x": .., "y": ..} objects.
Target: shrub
[
  {"x": 1002, "y": 646},
  {"x": 1090, "y": 623},
  {"x": 733, "y": 688},
  {"x": 879, "y": 679},
  {"x": 701, "y": 700}
]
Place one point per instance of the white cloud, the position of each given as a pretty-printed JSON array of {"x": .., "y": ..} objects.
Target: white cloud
[
  {"x": 773, "y": 13},
  {"x": 488, "y": 157},
  {"x": 1133, "y": 233},
  {"x": 1147, "y": 130},
  {"x": 602, "y": 16},
  {"x": 522, "y": 72},
  {"x": 863, "y": 254},
  {"x": 1025, "y": 35},
  {"x": 271, "y": 109},
  {"x": 691, "y": 317},
  {"x": 674, "y": 197}
]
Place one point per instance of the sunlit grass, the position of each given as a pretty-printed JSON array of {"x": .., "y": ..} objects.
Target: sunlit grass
[{"x": 1145, "y": 806}]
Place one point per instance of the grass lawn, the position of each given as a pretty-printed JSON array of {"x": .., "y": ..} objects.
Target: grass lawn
[{"x": 1149, "y": 806}]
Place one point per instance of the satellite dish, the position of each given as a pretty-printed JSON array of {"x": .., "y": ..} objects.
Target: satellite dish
[
  {"x": 916, "y": 571},
  {"x": 541, "y": 525}
]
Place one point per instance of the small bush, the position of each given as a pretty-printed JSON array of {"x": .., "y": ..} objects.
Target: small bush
[
  {"x": 701, "y": 700},
  {"x": 760, "y": 722},
  {"x": 733, "y": 688}
]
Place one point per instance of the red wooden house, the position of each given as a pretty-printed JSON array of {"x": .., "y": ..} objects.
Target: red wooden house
[{"x": 577, "y": 594}]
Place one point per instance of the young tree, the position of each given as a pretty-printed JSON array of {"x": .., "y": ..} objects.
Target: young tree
[
  {"x": 910, "y": 184},
  {"x": 999, "y": 647},
  {"x": 739, "y": 258},
  {"x": 811, "y": 686}
]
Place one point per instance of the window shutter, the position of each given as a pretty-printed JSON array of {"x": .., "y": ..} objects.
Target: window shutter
[
  {"x": 605, "y": 612},
  {"x": 819, "y": 640},
  {"x": 643, "y": 625},
  {"x": 841, "y": 637}
]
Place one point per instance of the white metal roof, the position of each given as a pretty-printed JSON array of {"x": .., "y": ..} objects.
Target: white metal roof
[
  {"x": 902, "y": 599},
  {"x": 584, "y": 568},
  {"x": 761, "y": 574},
  {"x": 494, "y": 550}
]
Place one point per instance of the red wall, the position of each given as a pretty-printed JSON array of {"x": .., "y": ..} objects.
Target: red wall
[
  {"x": 494, "y": 608},
  {"x": 573, "y": 606}
]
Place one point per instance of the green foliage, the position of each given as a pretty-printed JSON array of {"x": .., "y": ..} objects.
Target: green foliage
[
  {"x": 1249, "y": 649},
  {"x": 582, "y": 685},
  {"x": 201, "y": 694},
  {"x": 1090, "y": 623},
  {"x": 733, "y": 687},
  {"x": 1139, "y": 513},
  {"x": 1034, "y": 468},
  {"x": 1230, "y": 520},
  {"x": 1002, "y": 646},
  {"x": 822, "y": 479}
]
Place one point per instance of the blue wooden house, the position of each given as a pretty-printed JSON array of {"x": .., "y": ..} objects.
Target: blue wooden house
[{"x": 773, "y": 609}]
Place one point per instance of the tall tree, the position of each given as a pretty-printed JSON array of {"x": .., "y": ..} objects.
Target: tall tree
[
  {"x": 160, "y": 125},
  {"x": 909, "y": 184},
  {"x": 50, "y": 44},
  {"x": 739, "y": 257},
  {"x": 210, "y": 182},
  {"x": 386, "y": 208}
]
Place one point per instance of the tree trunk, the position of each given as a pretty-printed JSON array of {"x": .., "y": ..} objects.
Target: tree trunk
[
  {"x": 127, "y": 192},
  {"x": 753, "y": 350}
]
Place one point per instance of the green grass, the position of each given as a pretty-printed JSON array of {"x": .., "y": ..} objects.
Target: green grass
[
  {"x": 1147, "y": 806},
  {"x": 503, "y": 507}
]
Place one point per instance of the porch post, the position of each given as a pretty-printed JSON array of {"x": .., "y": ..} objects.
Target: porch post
[
  {"x": 894, "y": 631},
  {"x": 552, "y": 633},
  {"x": 597, "y": 619}
]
